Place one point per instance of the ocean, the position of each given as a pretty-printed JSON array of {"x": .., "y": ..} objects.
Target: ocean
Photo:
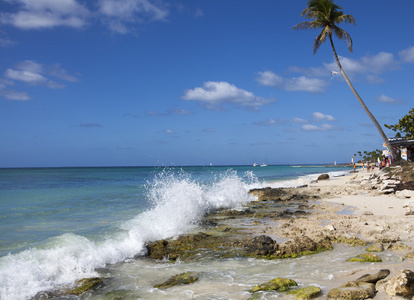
[{"x": 59, "y": 225}]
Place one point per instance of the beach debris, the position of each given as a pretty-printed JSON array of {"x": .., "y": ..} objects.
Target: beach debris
[
  {"x": 377, "y": 247},
  {"x": 305, "y": 293},
  {"x": 401, "y": 285},
  {"x": 179, "y": 279},
  {"x": 366, "y": 257},
  {"x": 277, "y": 284},
  {"x": 323, "y": 177}
]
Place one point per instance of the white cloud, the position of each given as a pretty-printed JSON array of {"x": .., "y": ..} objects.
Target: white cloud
[
  {"x": 302, "y": 83},
  {"x": 34, "y": 73},
  {"x": 407, "y": 55},
  {"x": 299, "y": 120},
  {"x": 387, "y": 100},
  {"x": 324, "y": 127},
  {"x": 118, "y": 13},
  {"x": 38, "y": 14},
  {"x": 10, "y": 94},
  {"x": 369, "y": 66},
  {"x": 214, "y": 94},
  {"x": 317, "y": 116},
  {"x": 169, "y": 131}
]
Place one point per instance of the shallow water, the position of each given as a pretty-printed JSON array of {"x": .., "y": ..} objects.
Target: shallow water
[{"x": 232, "y": 278}]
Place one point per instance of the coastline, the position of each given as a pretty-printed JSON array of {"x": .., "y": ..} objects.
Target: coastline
[
  {"x": 339, "y": 208},
  {"x": 221, "y": 248}
]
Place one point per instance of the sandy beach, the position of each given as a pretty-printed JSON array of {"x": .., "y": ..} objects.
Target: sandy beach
[{"x": 366, "y": 213}]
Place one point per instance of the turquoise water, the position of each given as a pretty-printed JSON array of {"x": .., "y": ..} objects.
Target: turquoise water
[{"x": 61, "y": 224}]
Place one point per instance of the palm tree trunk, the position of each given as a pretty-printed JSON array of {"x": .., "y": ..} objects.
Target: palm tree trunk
[{"x": 377, "y": 125}]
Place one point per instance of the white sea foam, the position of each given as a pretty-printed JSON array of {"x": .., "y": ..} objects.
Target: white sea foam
[{"x": 178, "y": 204}]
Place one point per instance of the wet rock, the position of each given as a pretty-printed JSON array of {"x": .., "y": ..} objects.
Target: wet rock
[
  {"x": 400, "y": 285},
  {"x": 280, "y": 194},
  {"x": 305, "y": 293},
  {"x": 399, "y": 246},
  {"x": 353, "y": 241},
  {"x": 378, "y": 247},
  {"x": 323, "y": 177},
  {"x": 86, "y": 284},
  {"x": 277, "y": 284},
  {"x": 374, "y": 278},
  {"x": 262, "y": 246},
  {"x": 184, "y": 247},
  {"x": 179, "y": 279},
  {"x": 266, "y": 247},
  {"x": 366, "y": 257}
]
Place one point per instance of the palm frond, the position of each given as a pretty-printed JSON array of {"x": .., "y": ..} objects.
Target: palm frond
[
  {"x": 306, "y": 25},
  {"x": 320, "y": 39},
  {"x": 343, "y": 35}
]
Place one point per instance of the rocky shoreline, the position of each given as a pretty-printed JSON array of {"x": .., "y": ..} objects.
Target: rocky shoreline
[{"x": 293, "y": 222}]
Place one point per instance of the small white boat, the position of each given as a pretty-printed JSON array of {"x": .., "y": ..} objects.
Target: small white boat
[
  {"x": 263, "y": 165},
  {"x": 254, "y": 165}
]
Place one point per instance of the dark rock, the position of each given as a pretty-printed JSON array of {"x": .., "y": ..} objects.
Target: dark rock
[
  {"x": 409, "y": 185},
  {"x": 375, "y": 277},
  {"x": 266, "y": 247},
  {"x": 262, "y": 246},
  {"x": 179, "y": 279},
  {"x": 323, "y": 177}
]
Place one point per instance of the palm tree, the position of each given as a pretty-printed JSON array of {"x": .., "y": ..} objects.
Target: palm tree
[{"x": 326, "y": 15}]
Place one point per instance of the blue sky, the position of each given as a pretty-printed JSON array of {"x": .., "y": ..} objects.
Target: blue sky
[{"x": 157, "y": 82}]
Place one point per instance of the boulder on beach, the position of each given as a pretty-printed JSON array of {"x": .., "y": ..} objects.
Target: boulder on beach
[
  {"x": 401, "y": 285},
  {"x": 323, "y": 177},
  {"x": 353, "y": 291},
  {"x": 374, "y": 278}
]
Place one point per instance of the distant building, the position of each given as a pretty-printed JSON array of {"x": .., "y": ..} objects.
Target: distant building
[{"x": 404, "y": 146}]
